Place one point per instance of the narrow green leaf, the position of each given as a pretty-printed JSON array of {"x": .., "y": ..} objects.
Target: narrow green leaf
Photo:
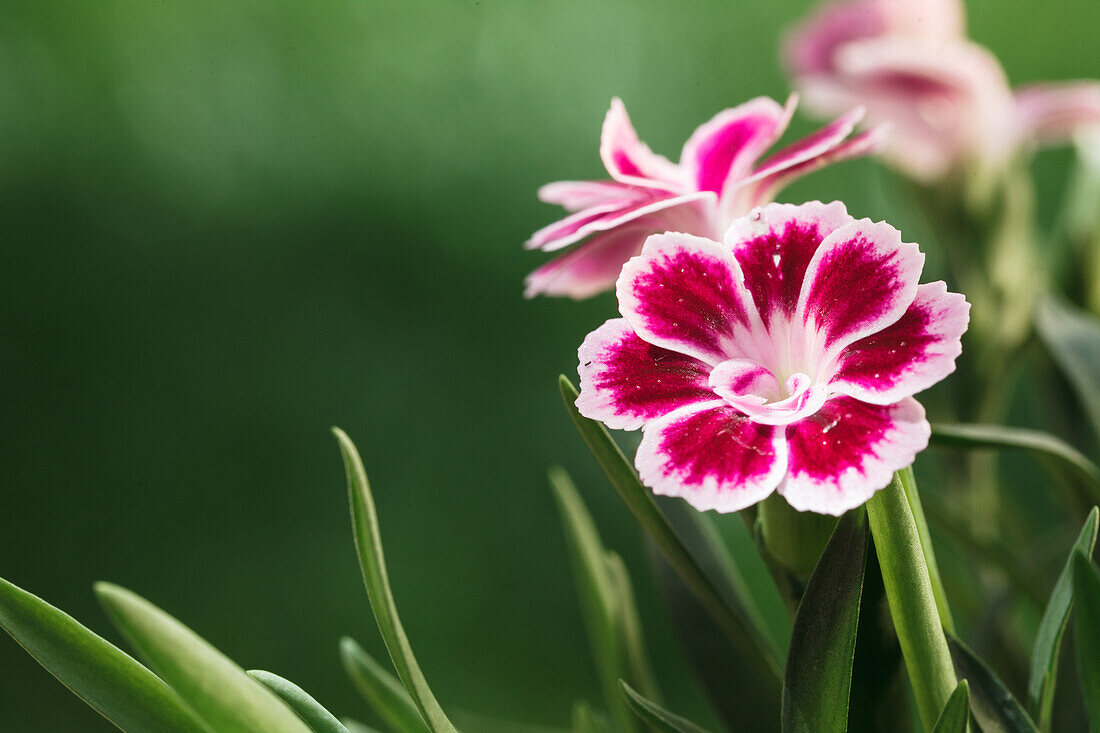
[
  {"x": 1042, "y": 445},
  {"x": 823, "y": 642},
  {"x": 635, "y": 654},
  {"x": 309, "y": 710},
  {"x": 381, "y": 689},
  {"x": 956, "y": 714},
  {"x": 355, "y": 726},
  {"x": 993, "y": 706},
  {"x": 1073, "y": 338},
  {"x": 599, "y": 601},
  {"x": 912, "y": 602},
  {"x": 588, "y": 720},
  {"x": 1048, "y": 641},
  {"x": 755, "y": 651},
  {"x": 368, "y": 544},
  {"x": 108, "y": 679},
  {"x": 655, "y": 716},
  {"x": 1086, "y": 633},
  {"x": 209, "y": 682}
]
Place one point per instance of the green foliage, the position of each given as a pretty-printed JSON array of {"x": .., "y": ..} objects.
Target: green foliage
[
  {"x": 1073, "y": 338},
  {"x": 1048, "y": 641},
  {"x": 99, "y": 673},
  {"x": 901, "y": 557},
  {"x": 1043, "y": 445},
  {"x": 309, "y": 710},
  {"x": 656, "y": 717},
  {"x": 1086, "y": 632},
  {"x": 368, "y": 544},
  {"x": 956, "y": 714},
  {"x": 823, "y": 643},
  {"x": 211, "y": 684},
  {"x": 606, "y": 601},
  {"x": 389, "y": 700},
  {"x": 993, "y": 706}
]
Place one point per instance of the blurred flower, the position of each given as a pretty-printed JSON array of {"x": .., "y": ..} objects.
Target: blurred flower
[
  {"x": 717, "y": 180},
  {"x": 910, "y": 63},
  {"x": 784, "y": 359}
]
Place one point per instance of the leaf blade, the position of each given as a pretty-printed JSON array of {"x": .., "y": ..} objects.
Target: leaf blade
[
  {"x": 1073, "y": 338},
  {"x": 108, "y": 679},
  {"x": 753, "y": 645},
  {"x": 994, "y": 707},
  {"x": 956, "y": 714},
  {"x": 385, "y": 693},
  {"x": 1052, "y": 628},
  {"x": 1086, "y": 633},
  {"x": 301, "y": 702},
  {"x": 219, "y": 691},
  {"x": 654, "y": 715},
  {"x": 1043, "y": 445},
  {"x": 368, "y": 545},
  {"x": 823, "y": 642}
]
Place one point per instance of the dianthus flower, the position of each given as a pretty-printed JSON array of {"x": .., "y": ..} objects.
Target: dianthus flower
[
  {"x": 910, "y": 63},
  {"x": 717, "y": 180},
  {"x": 783, "y": 359}
]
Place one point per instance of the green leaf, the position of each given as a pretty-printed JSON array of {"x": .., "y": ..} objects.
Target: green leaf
[
  {"x": 823, "y": 642},
  {"x": 210, "y": 683},
  {"x": 309, "y": 710},
  {"x": 753, "y": 646},
  {"x": 905, "y": 576},
  {"x": 1043, "y": 445},
  {"x": 909, "y": 485},
  {"x": 1073, "y": 338},
  {"x": 355, "y": 726},
  {"x": 108, "y": 679},
  {"x": 655, "y": 716},
  {"x": 1048, "y": 641},
  {"x": 381, "y": 689},
  {"x": 1086, "y": 633},
  {"x": 595, "y": 586},
  {"x": 368, "y": 544},
  {"x": 993, "y": 706},
  {"x": 956, "y": 714},
  {"x": 635, "y": 660}
]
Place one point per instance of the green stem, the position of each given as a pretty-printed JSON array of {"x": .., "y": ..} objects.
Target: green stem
[
  {"x": 909, "y": 484},
  {"x": 905, "y": 575},
  {"x": 796, "y": 539}
]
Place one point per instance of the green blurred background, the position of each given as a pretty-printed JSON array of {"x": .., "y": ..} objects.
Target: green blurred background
[{"x": 228, "y": 226}]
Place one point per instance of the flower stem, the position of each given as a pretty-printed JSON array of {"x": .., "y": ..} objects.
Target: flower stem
[{"x": 906, "y": 577}]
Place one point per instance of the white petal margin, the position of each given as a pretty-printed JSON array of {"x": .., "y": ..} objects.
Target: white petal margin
[
  {"x": 712, "y": 456},
  {"x": 831, "y": 469}
]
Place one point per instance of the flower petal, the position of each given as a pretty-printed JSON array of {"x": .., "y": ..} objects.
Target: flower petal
[
  {"x": 910, "y": 355},
  {"x": 610, "y": 215},
  {"x": 725, "y": 148},
  {"x": 774, "y": 244},
  {"x": 578, "y": 195},
  {"x": 754, "y": 390},
  {"x": 811, "y": 146},
  {"x": 848, "y": 450},
  {"x": 592, "y": 267},
  {"x": 861, "y": 279},
  {"x": 626, "y": 381},
  {"x": 1051, "y": 113},
  {"x": 712, "y": 456},
  {"x": 627, "y": 158},
  {"x": 687, "y": 294}
]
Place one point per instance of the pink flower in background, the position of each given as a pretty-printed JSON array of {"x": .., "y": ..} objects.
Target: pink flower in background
[
  {"x": 784, "y": 359},
  {"x": 910, "y": 63},
  {"x": 717, "y": 179}
]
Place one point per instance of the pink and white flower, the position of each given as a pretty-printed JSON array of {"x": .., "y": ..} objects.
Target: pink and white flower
[
  {"x": 717, "y": 180},
  {"x": 783, "y": 359},
  {"x": 910, "y": 63}
]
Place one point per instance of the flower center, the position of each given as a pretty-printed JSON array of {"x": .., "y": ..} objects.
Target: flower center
[{"x": 756, "y": 391}]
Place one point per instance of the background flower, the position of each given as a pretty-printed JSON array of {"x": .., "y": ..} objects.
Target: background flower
[
  {"x": 717, "y": 179},
  {"x": 911, "y": 64},
  {"x": 783, "y": 359}
]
